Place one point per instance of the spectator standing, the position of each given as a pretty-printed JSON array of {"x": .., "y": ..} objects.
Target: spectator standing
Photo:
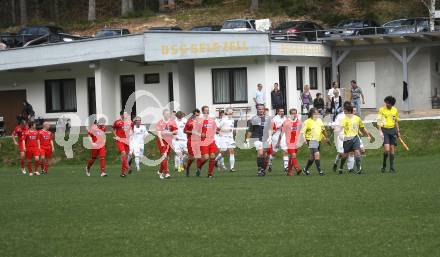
[
  {"x": 306, "y": 99},
  {"x": 28, "y": 112},
  {"x": 331, "y": 91},
  {"x": 277, "y": 98},
  {"x": 336, "y": 104},
  {"x": 260, "y": 97},
  {"x": 357, "y": 97}
]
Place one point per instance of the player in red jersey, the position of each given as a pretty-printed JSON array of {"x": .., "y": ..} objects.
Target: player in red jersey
[
  {"x": 288, "y": 140},
  {"x": 207, "y": 127},
  {"x": 46, "y": 147},
  {"x": 19, "y": 132},
  {"x": 97, "y": 136},
  {"x": 122, "y": 129},
  {"x": 166, "y": 129},
  {"x": 31, "y": 146},
  {"x": 193, "y": 140}
]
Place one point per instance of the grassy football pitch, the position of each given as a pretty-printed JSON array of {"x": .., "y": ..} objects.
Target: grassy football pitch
[
  {"x": 235, "y": 214},
  {"x": 239, "y": 214}
]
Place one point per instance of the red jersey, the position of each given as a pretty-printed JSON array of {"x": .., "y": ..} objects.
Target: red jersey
[
  {"x": 123, "y": 128},
  {"x": 167, "y": 126},
  {"x": 97, "y": 133},
  {"x": 208, "y": 129},
  {"x": 189, "y": 126},
  {"x": 19, "y": 132},
  {"x": 31, "y": 139},
  {"x": 291, "y": 129},
  {"x": 45, "y": 136}
]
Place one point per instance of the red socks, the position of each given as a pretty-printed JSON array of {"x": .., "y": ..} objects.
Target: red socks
[
  {"x": 124, "y": 166},
  {"x": 164, "y": 166},
  {"x": 211, "y": 167},
  {"x": 190, "y": 161},
  {"x": 37, "y": 163},
  {"x": 102, "y": 164},
  {"x": 200, "y": 163},
  {"x": 293, "y": 162},
  {"x": 29, "y": 165},
  {"x": 22, "y": 162}
]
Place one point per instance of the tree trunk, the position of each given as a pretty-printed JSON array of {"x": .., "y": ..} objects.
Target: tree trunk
[
  {"x": 23, "y": 12},
  {"x": 254, "y": 4},
  {"x": 92, "y": 10},
  {"x": 56, "y": 10},
  {"x": 13, "y": 16},
  {"x": 130, "y": 6},
  {"x": 124, "y": 7}
]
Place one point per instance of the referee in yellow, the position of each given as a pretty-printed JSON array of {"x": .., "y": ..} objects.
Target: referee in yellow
[{"x": 388, "y": 123}]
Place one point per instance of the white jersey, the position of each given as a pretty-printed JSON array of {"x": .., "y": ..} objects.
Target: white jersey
[
  {"x": 277, "y": 123},
  {"x": 138, "y": 135},
  {"x": 180, "y": 129},
  {"x": 226, "y": 127},
  {"x": 337, "y": 123}
]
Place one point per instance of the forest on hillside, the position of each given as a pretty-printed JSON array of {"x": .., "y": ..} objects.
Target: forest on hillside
[{"x": 23, "y": 12}]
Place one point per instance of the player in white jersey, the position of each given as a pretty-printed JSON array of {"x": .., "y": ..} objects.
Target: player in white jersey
[
  {"x": 226, "y": 142},
  {"x": 277, "y": 125},
  {"x": 219, "y": 160},
  {"x": 137, "y": 141},
  {"x": 180, "y": 142}
]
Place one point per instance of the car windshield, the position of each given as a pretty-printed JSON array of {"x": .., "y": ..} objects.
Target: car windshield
[
  {"x": 234, "y": 24},
  {"x": 107, "y": 33},
  {"x": 351, "y": 24},
  {"x": 408, "y": 22},
  {"x": 287, "y": 25},
  {"x": 394, "y": 23}
]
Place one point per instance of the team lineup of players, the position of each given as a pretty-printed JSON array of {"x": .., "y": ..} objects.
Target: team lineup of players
[{"x": 203, "y": 139}]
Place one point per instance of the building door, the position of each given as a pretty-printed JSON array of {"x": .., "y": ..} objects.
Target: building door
[
  {"x": 11, "y": 105},
  {"x": 91, "y": 95},
  {"x": 366, "y": 79},
  {"x": 170, "y": 90},
  {"x": 128, "y": 87},
  {"x": 282, "y": 73}
]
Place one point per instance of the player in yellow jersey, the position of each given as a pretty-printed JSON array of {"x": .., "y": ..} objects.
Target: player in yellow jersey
[
  {"x": 352, "y": 125},
  {"x": 313, "y": 131},
  {"x": 388, "y": 123}
]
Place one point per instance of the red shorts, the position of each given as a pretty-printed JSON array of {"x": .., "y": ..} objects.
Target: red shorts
[
  {"x": 292, "y": 151},
  {"x": 193, "y": 148},
  {"x": 165, "y": 148},
  {"x": 208, "y": 149},
  {"x": 97, "y": 152},
  {"x": 122, "y": 147},
  {"x": 46, "y": 152},
  {"x": 32, "y": 152}
]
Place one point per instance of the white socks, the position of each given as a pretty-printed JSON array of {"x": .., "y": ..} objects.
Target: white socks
[
  {"x": 286, "y": 162},
  {"x": 137, "y": 160},
  {"x": 232, "y": 161},
  {"x": 350, "y": 162}
]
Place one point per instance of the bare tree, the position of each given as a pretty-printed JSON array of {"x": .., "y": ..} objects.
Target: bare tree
[
  {"x": 130, "y": 5},
  {"x": 23, "y": 12},
  {"x": 124, "y": 7},
  {"x": 430, "y": 4},
  {"x": 56, "y": 9},
  {"x": 92, "y": 10},
  {"x": 254, "y": 4},
  {"x": 13, "y": 16}
]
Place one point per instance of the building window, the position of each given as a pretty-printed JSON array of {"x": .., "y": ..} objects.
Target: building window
[
  {"x": 151, "y": 78},
  {"x": 299, "y": 78},
  {"x": 229, "y": 85},
  {"x": 313, "y": 75},
  {"x": 328, "y": 77},
  {"x": 60, "y": 95}
]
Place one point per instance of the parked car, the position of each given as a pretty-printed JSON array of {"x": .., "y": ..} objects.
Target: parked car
[
  {"x": 389, "y": 26},
  {"x": 207, "y": 28},
  {"x": 31, "y": 33},
  {"x": 414, "y": 25},
  {"x": 297, "y": 31},
  {"x": 174, "y": 28},
  {"x": 9, "y": 39},
  {"x": 112, "y": 32},
  {"x": 355, "y": 27},
  {"x": 239, "y": 25}
]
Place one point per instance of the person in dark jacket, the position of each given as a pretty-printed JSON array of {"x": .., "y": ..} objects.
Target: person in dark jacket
[
  {"x": 277, "y": 97},
  {"x": 318, "y": 103},
  {"x": 28, "y": 112}
]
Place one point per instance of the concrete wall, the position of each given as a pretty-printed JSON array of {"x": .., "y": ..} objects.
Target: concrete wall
[
  {"x": 435, "y": 74},
  {"x": 184, "y": 90},
  {"x": 33, "y": 82},
  {"x": 389, "y": 76},
  {"x": 259, "y": 70}
]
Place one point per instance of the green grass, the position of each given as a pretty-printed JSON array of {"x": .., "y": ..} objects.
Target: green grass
[{"x": 236, "y": 214}]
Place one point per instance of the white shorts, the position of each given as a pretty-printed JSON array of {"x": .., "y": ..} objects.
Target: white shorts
[
  {"x": 217, "y": 140},
  {"x": 180, "y": 146},
  {"x": 261, "y": 145},
  {"x": 137, "y": 149},
  {"x": 283, "y": 143},
  {"x": 225, "y": 143},
  {"x": 275, "y": 138}
]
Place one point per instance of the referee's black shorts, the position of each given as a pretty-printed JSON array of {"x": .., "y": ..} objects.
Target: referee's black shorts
[{"x": 389, "y": 136}]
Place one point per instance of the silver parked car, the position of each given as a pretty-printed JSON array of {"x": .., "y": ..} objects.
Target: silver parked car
[
  {"x": 414, "y": 25},
  {"x": 239, "y": 25}
]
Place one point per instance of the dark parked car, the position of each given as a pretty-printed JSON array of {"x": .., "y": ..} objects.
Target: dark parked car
[
  {"x": 413, "y": 26},
  {"x": 297, "y": 31},
  {"x": 112, "y": 32},
  {"x": 31, "y": 33},
  {"x": 9, "y": 39},
  {"x": 175, "y": 28},
  {"x": 355, "y": 27},
  {"x": 207, "y": 28}
]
